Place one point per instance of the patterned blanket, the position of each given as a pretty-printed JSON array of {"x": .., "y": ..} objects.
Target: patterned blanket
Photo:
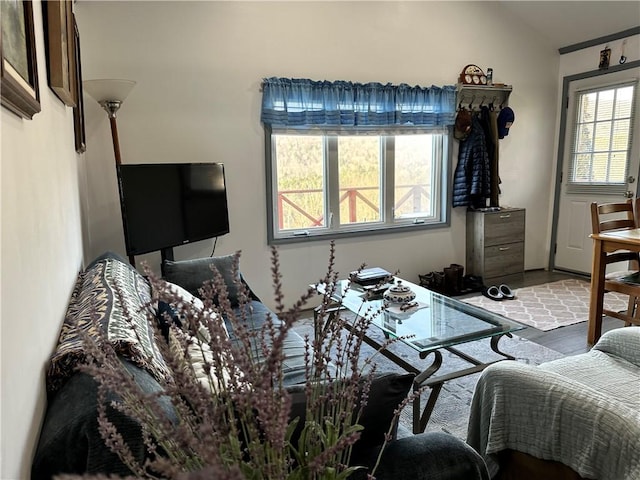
[{"x": 110, "y": 297}]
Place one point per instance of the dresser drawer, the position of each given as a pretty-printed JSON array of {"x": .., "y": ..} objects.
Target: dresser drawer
[
  {"x": 504, "y": 227},
  {"x": 495, "y": 243},
  {"x": 505, "y": 259}
]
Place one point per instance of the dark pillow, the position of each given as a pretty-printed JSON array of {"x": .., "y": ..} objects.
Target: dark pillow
[
  {"x": 191, "y": 274},
  {"x": 387, "y": 391},
  {"x": 167, "y": 315}
]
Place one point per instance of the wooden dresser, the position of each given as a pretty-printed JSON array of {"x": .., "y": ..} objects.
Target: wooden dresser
[{"x": 495, "y": 244}]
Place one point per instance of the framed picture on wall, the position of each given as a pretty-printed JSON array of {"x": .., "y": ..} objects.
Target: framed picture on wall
[
  {"x": 605, "y": 58},
  {"x": 19, "y": 68},
  {"x": 78, "y": 110},
  {"x": 59, "y": 36}
]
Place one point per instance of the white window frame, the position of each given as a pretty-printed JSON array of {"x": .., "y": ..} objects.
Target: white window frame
[
  {"x": 616, "y": 188},
  {"x": 440, "y": 195}
]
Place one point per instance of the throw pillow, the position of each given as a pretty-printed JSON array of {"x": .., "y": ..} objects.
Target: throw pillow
[
  {"x": 197, "y": 357},
  {"x": 191, "y": 274},
  {"x": 387, "y": 391},
  {"x": 166, "y": 316},
  {"x": 177, "y": 301},
  {"x": 194, "y": 352}
]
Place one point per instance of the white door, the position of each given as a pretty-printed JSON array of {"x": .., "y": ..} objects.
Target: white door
[{"x": 601, "y": 159}]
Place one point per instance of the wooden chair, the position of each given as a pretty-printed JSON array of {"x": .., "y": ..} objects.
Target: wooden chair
[{"x": 620, "y": 216}]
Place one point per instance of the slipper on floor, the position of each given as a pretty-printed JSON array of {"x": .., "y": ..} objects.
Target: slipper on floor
[
  {"x": 506, "y": 292},
  {"x": 493, "y": 293}
]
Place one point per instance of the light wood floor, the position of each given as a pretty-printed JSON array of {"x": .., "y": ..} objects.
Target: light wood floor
[{"x": 569, "y": 340}]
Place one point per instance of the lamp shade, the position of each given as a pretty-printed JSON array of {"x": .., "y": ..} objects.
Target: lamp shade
[{"x": 108, "y": 90}]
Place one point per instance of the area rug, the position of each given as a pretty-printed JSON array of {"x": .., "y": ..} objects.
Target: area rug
[
  {"x": 451, "y": 412},
  {"x": 550, "y": 305}
]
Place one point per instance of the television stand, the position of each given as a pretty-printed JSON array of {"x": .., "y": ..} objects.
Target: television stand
[{"x": 166, "y": 254}]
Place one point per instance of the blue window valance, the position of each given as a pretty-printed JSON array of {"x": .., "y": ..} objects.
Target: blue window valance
[{"x": 292, "y": 102}]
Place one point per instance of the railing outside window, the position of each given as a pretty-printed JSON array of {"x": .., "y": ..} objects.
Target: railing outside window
[{"x": 288, "y": 208}]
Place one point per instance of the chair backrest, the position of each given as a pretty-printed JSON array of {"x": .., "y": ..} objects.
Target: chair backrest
[
  {"x": 615, "y": 216},
  {"x": 612, "y": 216}
]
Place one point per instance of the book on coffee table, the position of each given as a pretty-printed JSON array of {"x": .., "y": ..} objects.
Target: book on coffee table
[{"x": 369, "y": 276}]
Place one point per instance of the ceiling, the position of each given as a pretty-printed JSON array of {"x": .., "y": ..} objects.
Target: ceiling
[{"x": 566, "y": 23}]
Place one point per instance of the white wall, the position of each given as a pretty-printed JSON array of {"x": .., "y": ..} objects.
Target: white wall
[
  {"x": 40, "y": 258},
  {"x": 199, "y": 66},
  {"x": 587, "y": 59}
]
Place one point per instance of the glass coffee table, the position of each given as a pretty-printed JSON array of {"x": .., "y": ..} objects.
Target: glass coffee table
[{"x": 437, "y": 323}]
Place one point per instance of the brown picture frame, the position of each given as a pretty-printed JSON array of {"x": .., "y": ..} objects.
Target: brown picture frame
[
  {"x": 59, "y": 40},
  {"x": 78, "y": 110},
  {"x": 605, "y": 57},
  {"x": 19, "y": 88}
]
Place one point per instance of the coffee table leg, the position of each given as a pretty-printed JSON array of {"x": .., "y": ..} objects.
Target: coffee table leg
[
  {"x": 421, "y": 418},
  {"x": 494, "y": 346},
  {"x": 331, "y": 312}
]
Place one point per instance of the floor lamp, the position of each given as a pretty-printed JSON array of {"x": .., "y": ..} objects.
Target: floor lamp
[{"x": 110, "y": 93}]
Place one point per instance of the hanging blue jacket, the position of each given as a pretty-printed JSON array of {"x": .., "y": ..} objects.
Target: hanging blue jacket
[{"x": 472, "y": 178}]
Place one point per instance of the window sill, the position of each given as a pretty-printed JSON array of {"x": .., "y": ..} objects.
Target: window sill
[{"x": 333, "y": 235}]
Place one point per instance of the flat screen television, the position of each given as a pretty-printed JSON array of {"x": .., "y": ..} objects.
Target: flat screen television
[{"x": 169, "y": 204}]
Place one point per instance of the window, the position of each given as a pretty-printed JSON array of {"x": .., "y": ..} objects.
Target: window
[
  {"x": 378, "y": 171},
  {"x": 602, "y": 138},
  {"x": 327, "y": 184}
]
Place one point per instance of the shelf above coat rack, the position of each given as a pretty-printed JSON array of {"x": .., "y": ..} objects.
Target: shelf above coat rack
[{"x": 472, "y": 97}]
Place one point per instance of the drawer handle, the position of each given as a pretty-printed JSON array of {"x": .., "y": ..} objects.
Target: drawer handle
[
  {"x": 506, "y": 215},
  {"x": 504, "y": 249}
]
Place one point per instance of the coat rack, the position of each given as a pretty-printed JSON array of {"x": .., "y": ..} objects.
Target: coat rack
[{"x": 472, "y": 97}]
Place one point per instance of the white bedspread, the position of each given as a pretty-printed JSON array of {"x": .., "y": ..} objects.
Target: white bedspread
[{"x": 583, "y": 411}]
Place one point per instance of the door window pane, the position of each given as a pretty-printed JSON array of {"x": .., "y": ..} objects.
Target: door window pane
[
  {"x": 618, "y": 166},
  {"x": 624, "y": 102},
  {"x": 600, "y": 150},
  {"x": 605, "y": 105},
  {"x": 602, "y": 136}
]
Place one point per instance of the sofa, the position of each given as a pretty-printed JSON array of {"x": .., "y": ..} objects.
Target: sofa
[
  {"x": 572, "y": 418},
  {"x": 69, "y": 440}
]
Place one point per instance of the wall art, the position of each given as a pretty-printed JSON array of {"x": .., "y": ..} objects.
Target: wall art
[
  {"x": 59, "y": 36},
  {"x": 19, "y": 90}
]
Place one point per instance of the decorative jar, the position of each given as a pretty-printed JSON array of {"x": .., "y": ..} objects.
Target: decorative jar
[{"x": 399, "y": 293}]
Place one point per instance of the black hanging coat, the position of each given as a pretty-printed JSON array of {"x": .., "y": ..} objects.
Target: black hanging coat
[{"x": 472, "y": 178}]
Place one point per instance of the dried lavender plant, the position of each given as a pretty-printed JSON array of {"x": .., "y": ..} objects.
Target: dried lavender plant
[{"x": 229, "y": 412}]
